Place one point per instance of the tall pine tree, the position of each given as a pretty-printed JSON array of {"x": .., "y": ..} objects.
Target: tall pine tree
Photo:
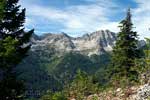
[
  {"x": 125, "y": 51},
  {"x": 14, "y": 45}
]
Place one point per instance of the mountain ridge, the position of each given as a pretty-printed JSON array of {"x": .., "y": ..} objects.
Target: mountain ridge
[{"x": 94, "y": 43}]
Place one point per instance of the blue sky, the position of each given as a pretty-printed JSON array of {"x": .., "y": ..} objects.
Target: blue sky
[{"x": 76, "y": 17}]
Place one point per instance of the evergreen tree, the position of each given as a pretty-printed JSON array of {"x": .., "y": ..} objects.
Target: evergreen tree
[
  {"x": 125, "y": 51},
  {"x": 14, "y": 44}
]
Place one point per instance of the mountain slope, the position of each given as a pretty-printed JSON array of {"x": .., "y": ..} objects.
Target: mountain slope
[{"x": 55, "y": 58}]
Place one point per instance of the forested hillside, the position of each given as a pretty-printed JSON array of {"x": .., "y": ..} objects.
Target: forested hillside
[{"x": 45, "y": 71}]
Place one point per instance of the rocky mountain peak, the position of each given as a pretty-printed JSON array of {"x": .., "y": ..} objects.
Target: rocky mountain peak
[{"x": 94, "y": 43}]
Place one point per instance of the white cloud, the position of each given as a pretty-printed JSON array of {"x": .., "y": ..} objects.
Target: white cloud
[
  {"x": 87, "y": 18},
  {"x": 141, "y": 17},
  {"x": 75, "y": 19},
  {"x": 111, "y": 25}
]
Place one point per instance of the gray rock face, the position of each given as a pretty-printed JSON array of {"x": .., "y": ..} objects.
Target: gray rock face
[
  {"x": 143, "y": 93},
  {"x": 94, "y": 43}
]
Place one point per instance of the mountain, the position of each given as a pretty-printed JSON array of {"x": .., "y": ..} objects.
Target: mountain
[
  {"x": 94, "y": 43},
  {"x": 54, "y": 59}
]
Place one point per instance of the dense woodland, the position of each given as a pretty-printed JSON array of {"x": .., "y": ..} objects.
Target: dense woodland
[{"x": 71, "y": 76}]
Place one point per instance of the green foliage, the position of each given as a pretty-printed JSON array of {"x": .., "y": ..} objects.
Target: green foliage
[
  {"x": 8, "y": 52},
  {"x": 68, "y": 64},
  {"x": 11, "y": 88},
  {"x": 94, "y": 98},
  {"x": 2, "y": 5},
  {"x": 81, "y": 86},
  {"x": 14, "y": 44},
  {"x": 43, "y": 70},
  {"x": 147, "y": 52},
  {"x": 125, "y": 53},
  {"x": 47, "y": 96},
  {"x": 58, "y": 96},
  {"x": 11, "y": 28},
  {"x": 54, "y": 96}
]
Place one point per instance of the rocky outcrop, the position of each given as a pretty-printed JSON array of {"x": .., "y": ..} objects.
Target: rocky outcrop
[
  {"x": 133, "y": 93},
  {"x": 143, "y": 93}
]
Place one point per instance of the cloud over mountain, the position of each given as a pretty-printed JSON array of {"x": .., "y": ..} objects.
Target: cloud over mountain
[{"x": 76, "y": 17}]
